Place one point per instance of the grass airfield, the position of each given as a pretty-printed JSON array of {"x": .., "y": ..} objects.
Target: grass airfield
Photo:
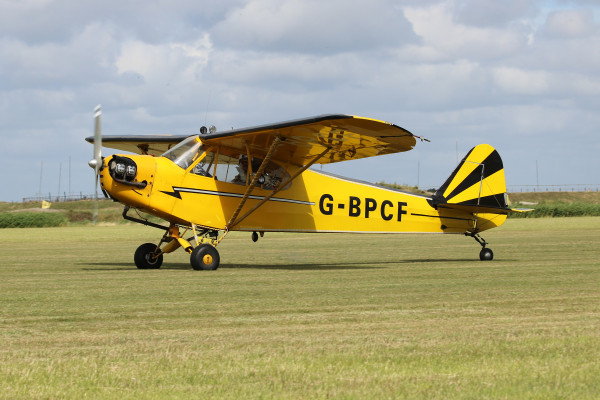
[{"x": 304, "y": 316}]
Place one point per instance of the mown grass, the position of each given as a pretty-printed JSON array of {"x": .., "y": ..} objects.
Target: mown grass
[{"x": 303, "y": 316}]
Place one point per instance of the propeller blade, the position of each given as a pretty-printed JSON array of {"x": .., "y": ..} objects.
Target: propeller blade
[
  {"x": 96, "y": 162},
  {"x": 97, "y": 137},
  {"x": 95, "y": 209}
]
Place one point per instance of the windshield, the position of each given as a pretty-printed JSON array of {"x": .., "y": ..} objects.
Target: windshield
[{"x": 185, "y": 152}]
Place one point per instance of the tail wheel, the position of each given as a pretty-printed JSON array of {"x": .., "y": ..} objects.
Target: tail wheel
[
  {"x": 205, "y": 258},
  {"x": 486, "y": 254},
  {"x": 145, "y": 258}
]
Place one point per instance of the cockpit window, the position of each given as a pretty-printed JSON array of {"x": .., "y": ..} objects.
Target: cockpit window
[
  {"x": 271, "y": 178},
  {"x": 185, "y": 153},
  {"x": 233, "y": 167}
]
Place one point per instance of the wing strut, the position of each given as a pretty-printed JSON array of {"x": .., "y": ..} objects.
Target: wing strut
[
  {"x": 254, "y": 182},
  {"x": 233, "y": 222}
]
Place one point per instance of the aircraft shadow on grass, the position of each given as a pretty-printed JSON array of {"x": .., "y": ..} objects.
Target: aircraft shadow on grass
[{"x": 294, "y": 267}]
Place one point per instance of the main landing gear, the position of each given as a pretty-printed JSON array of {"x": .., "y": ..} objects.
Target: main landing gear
[
  {"x": 202, "y": 257},
  {"x": 485, "y": 254}
]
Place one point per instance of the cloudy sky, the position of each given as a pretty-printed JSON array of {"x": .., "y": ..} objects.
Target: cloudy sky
[{"x": 522, "y": 75}]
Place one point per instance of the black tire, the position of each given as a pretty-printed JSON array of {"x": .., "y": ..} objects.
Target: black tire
[
  {"x": 205, "y": 258},
  {"x": 143, "y": 257},
  {"x": 486, "y": 254}
]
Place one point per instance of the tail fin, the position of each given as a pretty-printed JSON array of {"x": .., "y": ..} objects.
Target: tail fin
[{"x": 477, "y": 184}]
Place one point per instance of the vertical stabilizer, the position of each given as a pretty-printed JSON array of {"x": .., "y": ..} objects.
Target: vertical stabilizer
[{"x": 477, "y": 181}]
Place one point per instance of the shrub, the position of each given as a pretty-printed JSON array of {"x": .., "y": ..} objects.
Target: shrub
[
  {"x": 561, "y": 210},
  {"x": 79, "y": 216},
  {"x": 31, "y": 220}
]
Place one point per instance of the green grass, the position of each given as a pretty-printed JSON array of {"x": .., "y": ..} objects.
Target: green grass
[
  {"x": 560, "y": 210},
  {"x": 76, "y": 212},
  {"x": 556, "y": 197},
  {"x": 31, "y": 220},
  {"x": 557, "y": 204},
  {"x": 304, "y": 316}
]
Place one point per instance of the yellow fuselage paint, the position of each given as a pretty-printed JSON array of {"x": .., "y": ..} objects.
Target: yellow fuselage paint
[{"x": 314, "y": 202}]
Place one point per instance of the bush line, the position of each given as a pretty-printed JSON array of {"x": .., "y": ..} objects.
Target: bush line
[
  {"x": 32, "y": 220},
  {"x": 561, "y": 210}
]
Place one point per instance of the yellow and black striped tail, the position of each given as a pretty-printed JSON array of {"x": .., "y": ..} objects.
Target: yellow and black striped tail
[{"x": 477, "y": 184}]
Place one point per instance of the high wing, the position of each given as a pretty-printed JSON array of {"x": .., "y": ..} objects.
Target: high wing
[
  {"x": 141, "y": 144},
  {"x": 347, "y": 137},
  {"x": 342, "y": 137}
]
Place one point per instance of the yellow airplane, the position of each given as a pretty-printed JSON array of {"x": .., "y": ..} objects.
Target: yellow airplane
[{"x": 258, "y": 180}]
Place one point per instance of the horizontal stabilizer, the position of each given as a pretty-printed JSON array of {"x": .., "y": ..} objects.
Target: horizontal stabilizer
[{"x": 484, "y": 209}]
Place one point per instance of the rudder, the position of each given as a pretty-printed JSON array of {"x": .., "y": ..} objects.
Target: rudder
[{"x": 477, "y": 181}]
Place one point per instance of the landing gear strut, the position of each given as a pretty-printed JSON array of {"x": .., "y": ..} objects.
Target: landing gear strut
[
  {"x": 204, "y": 256},
  {"x": 485, "y": 254}
]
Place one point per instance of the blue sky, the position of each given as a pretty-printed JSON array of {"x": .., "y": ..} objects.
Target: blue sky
[{"x": 522, "y": 75}]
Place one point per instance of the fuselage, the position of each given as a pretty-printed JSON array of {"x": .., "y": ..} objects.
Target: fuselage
[{"x": 313, "y": 202}]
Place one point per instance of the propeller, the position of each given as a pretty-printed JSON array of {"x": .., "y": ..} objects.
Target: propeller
[{"x": 96, "y": 162}]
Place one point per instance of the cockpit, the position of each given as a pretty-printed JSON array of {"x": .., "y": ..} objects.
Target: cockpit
[
  {"x": 225, "y": 165},
  {"x": 185, "y": 152}
]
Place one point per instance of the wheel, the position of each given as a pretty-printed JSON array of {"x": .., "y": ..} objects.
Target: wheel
[
  {"x": 486, "y": 254},
  {"x": 144, "y": 259},
  {"x": 205, "y": 257}
]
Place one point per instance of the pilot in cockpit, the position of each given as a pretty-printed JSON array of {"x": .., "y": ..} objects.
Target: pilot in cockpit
[{"x": 242, "y": 168}]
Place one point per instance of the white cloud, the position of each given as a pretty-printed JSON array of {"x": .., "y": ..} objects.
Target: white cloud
[
  {"x": 571, "y": 24},
  {"x": 545, "y": 83},
  {"x": 493, "y": 13},
  {"x": 35, "y": 21},
  {"x": 515, "y": 80},
  {"x": 168, "y": 62},
  {"x": 441, "y": 35},
  {"x": 86, "y": 58},
  {"x": 313, "y": 26}
]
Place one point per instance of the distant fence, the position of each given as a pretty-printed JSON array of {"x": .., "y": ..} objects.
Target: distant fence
[
  {"x": 63, "y": 197},
  {"x": 578, "y": 187}
]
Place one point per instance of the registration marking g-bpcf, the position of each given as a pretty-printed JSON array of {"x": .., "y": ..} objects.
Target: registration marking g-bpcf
[{"x": 366, "y": 207}]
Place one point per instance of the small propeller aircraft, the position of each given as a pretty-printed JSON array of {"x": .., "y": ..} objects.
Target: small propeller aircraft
[{"x": 258, "y": 180}]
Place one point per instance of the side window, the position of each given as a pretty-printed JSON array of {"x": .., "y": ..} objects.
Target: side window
[
  {"x": 272, "y": 176},
  {"x": 228, "y": 171},
  {"x": 233, "y": 168}
]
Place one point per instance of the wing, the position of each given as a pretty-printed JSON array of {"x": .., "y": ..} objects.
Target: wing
[
  {"x": 348, "y": 137},
  {"x": 141, "y": 144}
]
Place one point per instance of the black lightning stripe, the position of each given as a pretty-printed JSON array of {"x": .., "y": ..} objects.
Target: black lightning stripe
[{"x": 178, "y": 190}]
